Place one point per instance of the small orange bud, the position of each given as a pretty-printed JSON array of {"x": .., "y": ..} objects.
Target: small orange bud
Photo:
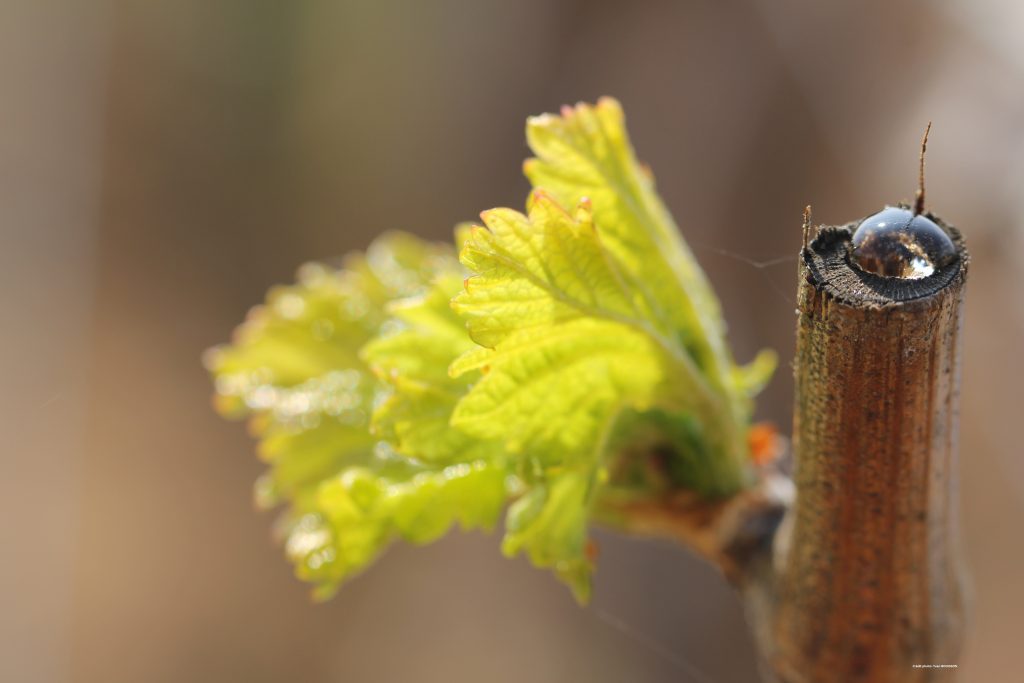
[{"x": 764, "y": 443}]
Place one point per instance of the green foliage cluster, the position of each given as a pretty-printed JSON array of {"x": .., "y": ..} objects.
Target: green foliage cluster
[{"x": 569, "y": 353}]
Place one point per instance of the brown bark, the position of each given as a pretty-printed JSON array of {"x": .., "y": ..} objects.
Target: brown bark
[
  {"x": 867, "y": 581},
  {"x": 730, "y": 533}
]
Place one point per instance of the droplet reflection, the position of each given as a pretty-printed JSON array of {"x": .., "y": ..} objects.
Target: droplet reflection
[{"x": 896, "y": 243}]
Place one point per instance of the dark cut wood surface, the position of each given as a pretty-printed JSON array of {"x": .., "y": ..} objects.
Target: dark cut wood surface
[{"x": 870, "y": 581}]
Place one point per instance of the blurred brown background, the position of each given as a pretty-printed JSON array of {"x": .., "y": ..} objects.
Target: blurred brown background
[{"x": 162, "y": 163}]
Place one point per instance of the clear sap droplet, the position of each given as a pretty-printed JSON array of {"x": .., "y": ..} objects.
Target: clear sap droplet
[{"x": 896, "y": 243}]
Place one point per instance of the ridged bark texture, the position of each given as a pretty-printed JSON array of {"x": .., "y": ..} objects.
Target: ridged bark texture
[{"x": 868, "y": 584}]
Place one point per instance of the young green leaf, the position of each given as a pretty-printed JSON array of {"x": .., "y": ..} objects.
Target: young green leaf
[
  {"x": 588, "y": 317},
  {"x": 549, "y": 523},
  {"x": 566, "y": 343},
  {"x": 549, "y": 520},
  {"x": 567, "y": 346},
  {"x": 412, "y": 360},
  {"x": 586, "y": 153},
  {"x": 295, "y": 368},
  {"x": 359, "y": 512},
  {"x": 591, "y": 335}
]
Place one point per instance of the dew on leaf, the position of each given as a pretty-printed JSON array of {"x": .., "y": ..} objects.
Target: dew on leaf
[
  {"x": 309, "y": 535},
  {"x": 289, "y": 305}
]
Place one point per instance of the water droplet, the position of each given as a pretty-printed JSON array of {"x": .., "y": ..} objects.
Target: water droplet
[
  {"x": 896, "y": 243},
  {"x": 289, "y": 305},
  {"x": 308, "y": 536},
  {"x": 262, "y": 397}
]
